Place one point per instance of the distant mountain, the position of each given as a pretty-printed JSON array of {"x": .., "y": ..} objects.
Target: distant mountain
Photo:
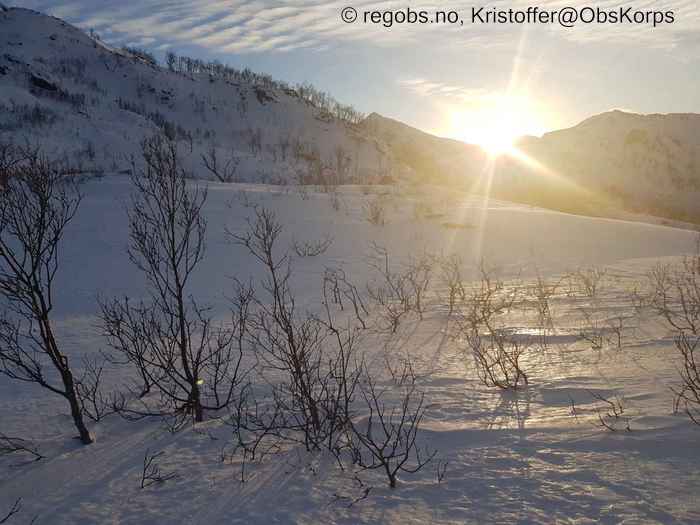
[
  {"x": 424, "y": 157},
  {"x": 93, "y": 104},
  {"x": 640, "y": 163},
  {"x": 643, "y": 163}
]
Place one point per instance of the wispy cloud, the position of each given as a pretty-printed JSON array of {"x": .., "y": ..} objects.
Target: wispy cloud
[
  {"x": 248, "y": 26},
  {"x": 438, "y": 90}
]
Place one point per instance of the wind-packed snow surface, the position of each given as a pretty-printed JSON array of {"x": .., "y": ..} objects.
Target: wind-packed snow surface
[{"x": 538, "y": 455}]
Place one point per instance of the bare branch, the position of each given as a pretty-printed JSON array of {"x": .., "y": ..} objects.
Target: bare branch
[
  {"x": 151, "y": 472},
  {"x": 16, "y": 507},
  {"x": 38, "y": 200}
]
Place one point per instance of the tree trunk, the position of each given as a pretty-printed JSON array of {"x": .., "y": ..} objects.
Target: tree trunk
[
  {"x": 75, "y": 409},
  {"x": 196, "y": 404},
  {"x": 61, "y": 363},
  {"x": 392, "y": 477}
]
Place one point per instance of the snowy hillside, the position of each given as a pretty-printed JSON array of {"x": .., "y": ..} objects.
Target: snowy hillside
[
  {"x": 647, "y": 163},
  {"x": 76, "y": 96},
  {"x": 425, "y": 158}
]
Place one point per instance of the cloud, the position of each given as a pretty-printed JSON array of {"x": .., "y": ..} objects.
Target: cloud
[
  {"x": 464, "y": 95},
  {"x": 249, "y": 26}
]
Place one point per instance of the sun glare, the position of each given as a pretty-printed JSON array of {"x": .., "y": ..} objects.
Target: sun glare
[
  {"x": 498, "y": 140},
  {"x": 496, "y": 123}
]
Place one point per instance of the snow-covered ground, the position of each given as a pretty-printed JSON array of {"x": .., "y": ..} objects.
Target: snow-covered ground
[{"x": 535, "y": 456}]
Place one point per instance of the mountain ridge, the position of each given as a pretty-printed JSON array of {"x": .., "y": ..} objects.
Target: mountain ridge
[{"x": 94, "y": 104}]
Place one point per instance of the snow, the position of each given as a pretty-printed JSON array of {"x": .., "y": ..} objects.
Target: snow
[
  {"x": 217, "y": 113},
  {"x": 538, "y": 455},
  {"x": 516, "y": 457}
]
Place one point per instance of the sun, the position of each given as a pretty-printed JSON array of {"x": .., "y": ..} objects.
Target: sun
[
  {"x": 495, "y": 123},
  {"x": 498, "y": 139}
]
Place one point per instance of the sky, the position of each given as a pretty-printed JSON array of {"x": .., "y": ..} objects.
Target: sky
[{"x": 468, "y": 81}]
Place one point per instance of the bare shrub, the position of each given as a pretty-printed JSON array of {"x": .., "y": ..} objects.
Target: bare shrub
[
  {"x": 489, "y": 298},
  {"x": 616, "y": 331},
  {"x": 675, "y": 293},
  {"x": 151, "y": 472},
  {"x": 402, "y": 373},
  {"x": 192, "y": 363},
  {"x": 255, "y": 433},
  {"x": 498, "y": 357},
  {"x": 587, "y": 281},
  {"x": 314, "y": 361},
  {"x": 312, "y": 248},
  {"x": 337, "y": 286},
  {"x": 390, "y": 293},
  {"x": 418, "y": 273},
  {"x": 688, "y": 394},
  {"x": 352, "y": 500},
  {"x": 95, "y": 404},
  {"x": 602, "y": 332},
  {"x": 441, "y": 470},
  {"x": 542, "y": 292},
  {"x": 451, "y": 278},
  {"x": 11, "y": 156},
  {"x": 399, "y": 290},
  {"x": 613, "y": 413},
  {"x": 591, "y": 330},
  {"x": 298, "y": 352},
  {"x": 136, "y": 348},
  {"x": 497, "y": 352},
  {"x": 38, "y": 201},
  {"x": 224, "y": 170},
  {"x": 13, "y": 445},
  {"x": 388, "y": 439}
]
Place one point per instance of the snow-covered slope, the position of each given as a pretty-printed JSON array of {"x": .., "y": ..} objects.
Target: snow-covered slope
[
  {"x": 649, "y": 163},
  {"x": 77, "y": 97},
  {"x": 426, "y": 158},
  {"x": 511, "y": 457}
]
